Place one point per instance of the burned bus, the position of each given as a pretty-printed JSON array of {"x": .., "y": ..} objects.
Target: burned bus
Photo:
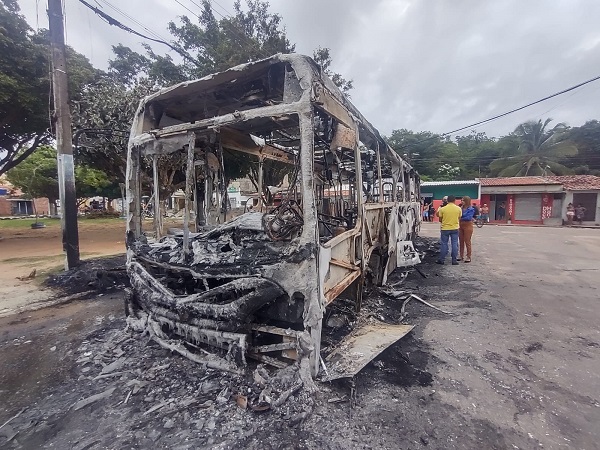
[{"x": 226, "y": 287}]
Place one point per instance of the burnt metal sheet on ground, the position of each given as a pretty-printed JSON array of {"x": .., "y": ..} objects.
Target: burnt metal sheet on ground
[{"x": 360, "y": 347}]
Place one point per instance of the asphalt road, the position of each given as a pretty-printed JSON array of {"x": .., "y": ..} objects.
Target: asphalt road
[
  {"x": 527, "y": 360},
  {"x": 515, "y": 366}
]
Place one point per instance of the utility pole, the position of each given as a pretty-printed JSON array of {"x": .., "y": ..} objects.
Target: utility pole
[{"x": 64, "y": 142}]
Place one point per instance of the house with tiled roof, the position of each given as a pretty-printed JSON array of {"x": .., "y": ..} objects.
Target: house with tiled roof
[
  {"x": 14, "y": 203},
  {"x": 541, "y": 200}
]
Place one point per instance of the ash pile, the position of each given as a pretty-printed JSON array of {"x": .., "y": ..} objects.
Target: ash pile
[
  {"x": 92, "y": 276},
  {"x": 132, "y": 393}
]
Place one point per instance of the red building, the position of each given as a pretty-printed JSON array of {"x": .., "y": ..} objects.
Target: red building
[{"x": 538, "y": 200}]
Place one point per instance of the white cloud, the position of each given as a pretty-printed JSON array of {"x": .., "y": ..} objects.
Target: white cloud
[{"x": 424, "y": 65}]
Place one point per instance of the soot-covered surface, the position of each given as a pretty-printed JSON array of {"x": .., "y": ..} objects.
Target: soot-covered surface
[{"x": 471, "y": 380}]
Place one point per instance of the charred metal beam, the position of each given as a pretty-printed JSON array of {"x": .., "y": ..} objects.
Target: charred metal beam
[{"x": 189, "y": 185}]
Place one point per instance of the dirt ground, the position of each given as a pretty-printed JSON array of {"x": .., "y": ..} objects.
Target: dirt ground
[
  {"x": 515, "y": 366},
  {"x": 22, "y": 250}
]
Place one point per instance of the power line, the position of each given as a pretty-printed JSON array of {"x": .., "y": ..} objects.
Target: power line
[
  {"x": 115, "y": 22},
  {"x": 133, "y": 19},
  {"x": 503, "y": 114}
]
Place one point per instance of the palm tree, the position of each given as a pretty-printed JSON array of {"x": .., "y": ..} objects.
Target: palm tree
[{"x": 538, "y": 151}]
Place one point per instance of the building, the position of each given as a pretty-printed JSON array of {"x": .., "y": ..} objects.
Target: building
[
  {"x": 435, "y": 191},
  {"x": 540, "y": 200},
  {"x": 14, "y": 203},
  {"x": 581, "y": 190}
]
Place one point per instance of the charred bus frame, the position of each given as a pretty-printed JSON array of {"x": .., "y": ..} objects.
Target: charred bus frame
[{"x": 259, "y": 284}]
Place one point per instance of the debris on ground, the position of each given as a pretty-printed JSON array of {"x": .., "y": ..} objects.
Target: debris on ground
[
  {"x": 31, "y": 276},
  {"x": 99, "y": 274}
]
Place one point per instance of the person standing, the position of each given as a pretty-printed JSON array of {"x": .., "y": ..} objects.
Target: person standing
[
  {"x": 570, "y": 214},
  {"x": 580, "y": 213},
  {"x": 485, "y": 213},
  {"x": 431, "y": 211},
  {"x": 501, "y": 211},
  {"x": 426, "y": 213},
  {"x": 449, "y": 219},
  {"x": 465, "y": 231}
]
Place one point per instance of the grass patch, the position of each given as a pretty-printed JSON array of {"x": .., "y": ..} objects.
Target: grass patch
[
  {"x": 103, "y": 220},
  {"x": 26, "y": 260},
  {"x": 31, "y": 261},
  {"x": 26, "y": 223}
]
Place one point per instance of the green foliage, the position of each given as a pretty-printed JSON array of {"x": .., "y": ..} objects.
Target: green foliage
[
  {"x": 587, "y": 140},
  {"x": 213, "y": 44},
  {"x": 37, "y": 176},
  {"x": 428, "y": 153},
  {"x": 23, "y": 88},
  {"x": 91, "y": 182},
  {"x": 25, "y": 85},
  {"x": 538, "y": 152},
  {"x": 107, "y": 105},
  {"x": 532, "y": 149},
  {"x": 322, "y": 57}
]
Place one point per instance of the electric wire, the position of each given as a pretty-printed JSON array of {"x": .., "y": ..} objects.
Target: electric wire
[
  {"x": 564, "y": 91},
  {"x": 133, "y": 19},
  {"x": 112, "y": 21}
]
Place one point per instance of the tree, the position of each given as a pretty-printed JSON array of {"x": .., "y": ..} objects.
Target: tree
[
  {"x": 426, "y": 152},
  {"x": 538, "y": 152},
  {"x": 92, "y": 182},
  {"x": 25, "y": 86},
  {"x": 476, "y": 151},
  {"x": 37, "y": 177},
  {"x": 587, "y": 140},
  {"x": 322, "y": 57},
  {"x": 108, "y": 105},
  {"x": 212, "y": 45}
]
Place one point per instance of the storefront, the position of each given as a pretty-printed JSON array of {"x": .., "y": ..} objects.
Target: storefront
[{"x": 540, "y": 200}]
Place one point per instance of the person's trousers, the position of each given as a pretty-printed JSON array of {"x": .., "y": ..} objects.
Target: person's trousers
[
  {"x": 446, "y": 235},
  {"x": 465, "y": 233}
]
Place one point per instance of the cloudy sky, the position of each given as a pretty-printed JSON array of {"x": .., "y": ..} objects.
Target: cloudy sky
[{"x": 432, "y": 65}]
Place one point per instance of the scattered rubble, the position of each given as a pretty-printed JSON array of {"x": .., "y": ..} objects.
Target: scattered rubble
[{"x": 97, "y": 275}]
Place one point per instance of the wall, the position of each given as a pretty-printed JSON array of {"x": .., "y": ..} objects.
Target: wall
[
  {"x": 569, "y": 199},
  {"x": 529, "y": 189},
  {"x": 471, "y": 190},
  {"x": 547, "y": 202},
  {"x": 5, "y": 207},
  {"x": 42, "y": 206}
]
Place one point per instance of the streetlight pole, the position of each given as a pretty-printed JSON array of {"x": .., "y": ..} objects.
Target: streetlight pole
[{"x": 64, "y": 143}]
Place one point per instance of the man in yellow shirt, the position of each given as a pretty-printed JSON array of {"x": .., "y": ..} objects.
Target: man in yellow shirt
[{"x": 450, "y": 221}]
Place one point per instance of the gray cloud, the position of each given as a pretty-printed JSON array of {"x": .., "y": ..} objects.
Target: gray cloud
[{"x": 434, "y": 65}]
